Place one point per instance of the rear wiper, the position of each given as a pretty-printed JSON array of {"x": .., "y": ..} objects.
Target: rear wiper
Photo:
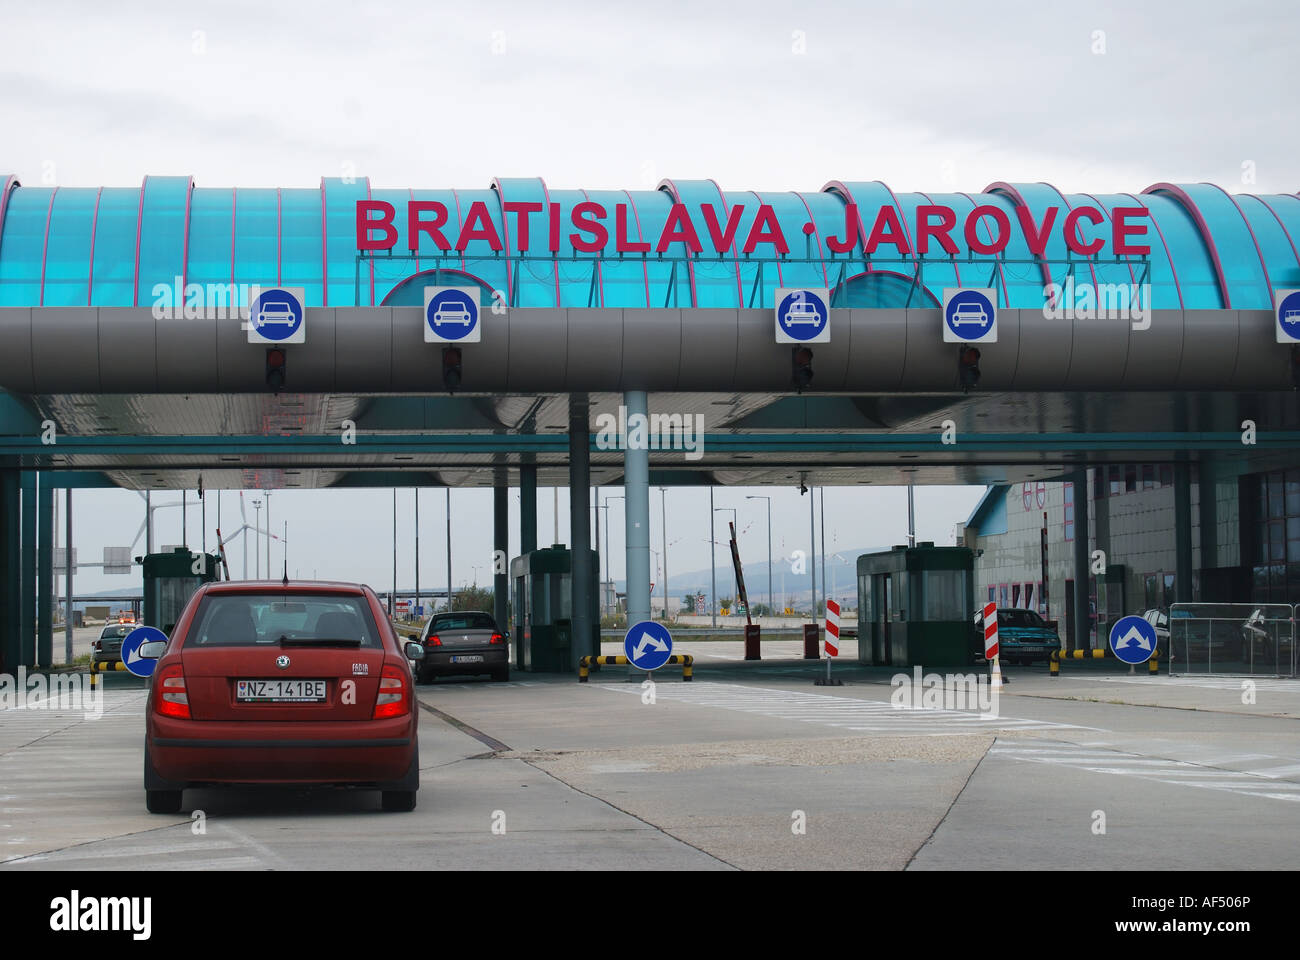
[{"x": 317, "y": 642}]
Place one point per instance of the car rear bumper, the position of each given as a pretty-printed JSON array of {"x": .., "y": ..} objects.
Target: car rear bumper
[
  {"x": 361, "y": 752},
  {"x": 439, "y": 661}
]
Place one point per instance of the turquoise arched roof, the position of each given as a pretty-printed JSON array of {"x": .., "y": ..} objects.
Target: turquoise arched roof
[{"x": 109, "y": 246}]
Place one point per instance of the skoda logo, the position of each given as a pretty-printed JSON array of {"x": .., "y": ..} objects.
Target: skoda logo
[{"x": 282, "y": 662}]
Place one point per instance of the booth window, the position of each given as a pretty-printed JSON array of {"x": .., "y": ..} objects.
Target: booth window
[{"x": 944, "y": 594}]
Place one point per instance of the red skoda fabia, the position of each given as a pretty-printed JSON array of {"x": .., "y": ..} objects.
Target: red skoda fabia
[{"x": 288, "y": 683}]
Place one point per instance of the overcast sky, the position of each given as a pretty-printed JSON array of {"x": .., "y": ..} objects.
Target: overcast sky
[{"x": 933, "y": 96}]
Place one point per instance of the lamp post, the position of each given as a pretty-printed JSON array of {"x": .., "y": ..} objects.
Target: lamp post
[
  {"x": 268, "y": 534},
  {"x": 655, "y": 553},
  {"x": 607, "y": 526},
  {"x": 663, "y": 523},
  {"x": 599, "y": 507},
  {"x": 770, "y": 603},
  {"x": 257, "y": 525}
]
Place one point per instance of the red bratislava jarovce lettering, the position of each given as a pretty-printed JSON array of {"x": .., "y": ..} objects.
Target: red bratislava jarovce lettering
[{"x": 536, "y": 228}]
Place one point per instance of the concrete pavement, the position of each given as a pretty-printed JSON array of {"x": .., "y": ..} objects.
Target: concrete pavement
[{"x": 750, "y": 767}]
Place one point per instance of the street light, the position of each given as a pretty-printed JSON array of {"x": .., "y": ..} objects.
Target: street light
[
  {"x": 656, "y": 555},
  {"x": 257, "y": 554},
  {"x": 607, "y": 526},
  {"x": 663, "y": 523},
  {"x": 770, "y": 604}
]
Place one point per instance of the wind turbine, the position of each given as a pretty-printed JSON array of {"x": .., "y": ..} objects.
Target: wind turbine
[{"x": 243, "y": 515}]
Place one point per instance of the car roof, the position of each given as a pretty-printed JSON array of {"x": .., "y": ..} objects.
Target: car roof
[{"x": 281, "y": 586}]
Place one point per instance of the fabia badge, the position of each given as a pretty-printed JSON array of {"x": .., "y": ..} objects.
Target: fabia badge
[{"x": 282, "y": 662}]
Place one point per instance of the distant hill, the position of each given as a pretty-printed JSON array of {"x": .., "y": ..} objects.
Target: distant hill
[{"x": 841, "y": 577}]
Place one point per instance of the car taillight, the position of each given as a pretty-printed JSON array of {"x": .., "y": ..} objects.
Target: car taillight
[
  {"x": 173, "y": 701},
  {"x": 394, "y": 698},
  {"x": 497, "y": 638},
  {"x": 433, "y": 641}
]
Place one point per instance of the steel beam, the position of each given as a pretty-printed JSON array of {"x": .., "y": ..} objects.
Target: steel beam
[
  {"x": 580, "y": 570},
  {"x": 636, "y": 486},
  {"x": 45, "y": 570}
]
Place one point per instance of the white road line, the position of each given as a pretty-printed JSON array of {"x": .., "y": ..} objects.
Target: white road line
[
  {"x": 1158, "y": 769},
  {"x": 864, "y": 716},
  {"x": 1269, "y": 684}
]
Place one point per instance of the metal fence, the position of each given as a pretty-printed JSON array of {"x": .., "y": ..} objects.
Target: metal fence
[{"x": 1254, "y": 639}]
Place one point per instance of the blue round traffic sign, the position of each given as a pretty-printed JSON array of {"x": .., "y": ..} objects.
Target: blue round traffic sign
[
  {"x": 1133, "y": 639},
  {"x": 140, "y": 666},
  {"x": 452, "y": 314},
  {"x": 802, "y": 315},
  {"x": 970, "y": 314},
  {"x": 275, "y": 314},
  {"x": 1288, "y": 315},
  {"x": 648, "y": 645}
]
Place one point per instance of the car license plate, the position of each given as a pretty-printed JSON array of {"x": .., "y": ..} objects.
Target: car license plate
[
  {"x": 280, "y": 691},
  {"x": 466, "y": 659}
]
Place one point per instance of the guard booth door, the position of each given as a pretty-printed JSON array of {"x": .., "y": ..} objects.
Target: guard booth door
[{"x": 882, "y": 600}]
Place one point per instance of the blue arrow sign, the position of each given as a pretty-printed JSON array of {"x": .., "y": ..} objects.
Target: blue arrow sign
[
  {"x": 140, "y": 666},
  {"x": 648, "y": 645},
  {"x": 1133, "y": 639}
]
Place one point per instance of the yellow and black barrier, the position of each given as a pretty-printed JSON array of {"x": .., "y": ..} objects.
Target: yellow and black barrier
[
  {"x": 104, "y": 666},
  {"x": 1100, "y": 653},
  {"x": 587, "y": 664}
]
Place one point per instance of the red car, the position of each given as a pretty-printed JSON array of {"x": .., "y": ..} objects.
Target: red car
[{"x": 285, "y": 683}]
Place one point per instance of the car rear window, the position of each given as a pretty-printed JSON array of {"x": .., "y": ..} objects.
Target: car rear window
[
  {"x": 463, "y": 621},
  {"x": 238, "y": 620},
  {"x": 1019, "y": 618},
  {"x": 116, "y": 631}
]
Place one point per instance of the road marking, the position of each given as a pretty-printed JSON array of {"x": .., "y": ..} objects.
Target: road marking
[
  {"x": 860, "y": 716},
  {"x": 1256, "y": 783},
  {"x": 1270, "y": 684}
]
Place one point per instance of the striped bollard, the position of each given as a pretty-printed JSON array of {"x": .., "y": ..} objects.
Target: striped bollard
[
  {"x": 832, "y": 642},
  {"x": 991, "y": 643}
]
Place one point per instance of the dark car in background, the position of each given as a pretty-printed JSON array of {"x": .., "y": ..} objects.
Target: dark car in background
[
  {"x": 1023, "y": 636},
  {"x": 467, "y": 642},
  {"x": 107, "y": 647}
]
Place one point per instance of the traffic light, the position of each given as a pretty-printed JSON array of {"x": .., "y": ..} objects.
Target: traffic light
[
  {"x": 451, "y": 368},
  {"x": 968, "y": 366},
  {"x": 1295, "y": 366},
  {"x": 801, "y": 371},
  {"x": 275, "y": 357}
]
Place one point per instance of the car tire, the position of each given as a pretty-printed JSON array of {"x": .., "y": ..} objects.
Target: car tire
[
  {"x": 163, "y": 801},
  {"x": 501, "y": 676},
  {"x": 398, "y": 801}
]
